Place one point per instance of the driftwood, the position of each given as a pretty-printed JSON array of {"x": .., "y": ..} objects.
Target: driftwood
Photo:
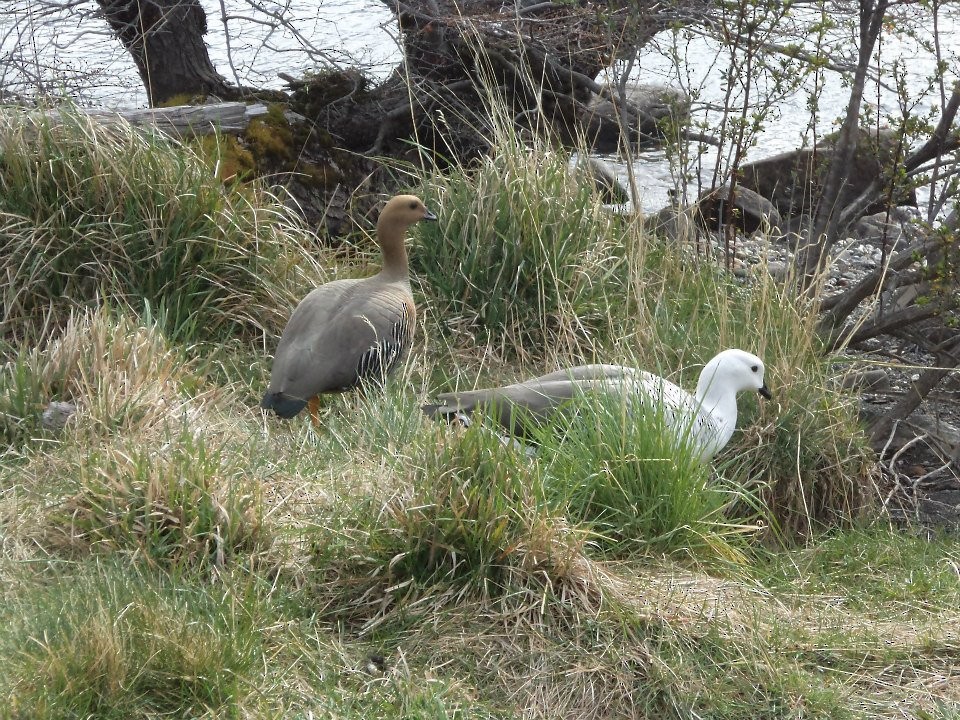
[
  {"x": 182, "y": 121},
  {"x": 533, "y": 63}
]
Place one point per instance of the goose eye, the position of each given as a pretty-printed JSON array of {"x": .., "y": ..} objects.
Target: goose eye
[
  {"x": 753, "y": 368},
  {"x": 413, "y": 205}
]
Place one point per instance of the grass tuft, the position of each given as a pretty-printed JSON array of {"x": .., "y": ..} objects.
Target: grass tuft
[
  {"x": 475, "y": 512},
  {"x": 470, "y": 519},
  {"x": 91, "y": 212},
  {"x": 524, "y": 258},
  {"x": 123, "y": 377},
  {"x": 621, "y": 471},
  {"x": 181, "y": 505},
  {"x": 107, "y": 642}
]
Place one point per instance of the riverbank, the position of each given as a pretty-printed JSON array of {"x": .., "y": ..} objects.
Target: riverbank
[{"x": 171, "y": 550}]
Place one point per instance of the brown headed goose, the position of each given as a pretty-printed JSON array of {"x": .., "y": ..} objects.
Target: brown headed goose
[
  {"x": 706, "y": 420},
  {"x": 349, "y": 332}
]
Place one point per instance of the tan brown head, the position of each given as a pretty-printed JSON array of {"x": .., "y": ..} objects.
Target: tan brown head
[
  {"x": 402, "y": 211},
  {"x": 397, "y": 215}
]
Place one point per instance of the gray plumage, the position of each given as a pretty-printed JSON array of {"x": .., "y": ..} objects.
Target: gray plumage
[{"x": 349, "y": 332}]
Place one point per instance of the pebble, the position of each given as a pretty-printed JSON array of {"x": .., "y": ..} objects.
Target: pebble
[{"x": 851, "y": 262}]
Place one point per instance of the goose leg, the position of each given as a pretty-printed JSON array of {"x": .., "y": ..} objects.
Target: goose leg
[{"x": 313, "y": 405}]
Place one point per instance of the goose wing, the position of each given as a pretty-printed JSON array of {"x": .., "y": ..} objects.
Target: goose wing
[
  {"x": 535, "y": 400},
  {"x": 343, "y": 333}
]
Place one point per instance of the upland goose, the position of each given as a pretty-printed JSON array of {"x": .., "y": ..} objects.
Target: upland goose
[
  {"x": 705, "y": 420},
  {"x": 349, "y": 332}
]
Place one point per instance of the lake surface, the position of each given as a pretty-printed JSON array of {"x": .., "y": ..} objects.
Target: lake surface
[
  {"x": 66, "y": 52},
  {"x": 70, "y": 49}
]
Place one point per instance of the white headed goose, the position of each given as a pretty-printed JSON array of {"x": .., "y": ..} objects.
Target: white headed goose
[{"x": 705, "y": 420}]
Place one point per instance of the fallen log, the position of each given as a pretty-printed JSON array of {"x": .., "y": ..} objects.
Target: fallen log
[{"x": 180, "y": 121}]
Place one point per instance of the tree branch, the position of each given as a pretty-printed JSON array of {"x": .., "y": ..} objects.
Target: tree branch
[{"x": 948, "y": 358}]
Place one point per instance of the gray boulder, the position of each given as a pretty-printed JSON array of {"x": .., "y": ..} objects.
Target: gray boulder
[
  {"x": 56, "y": 415},
  {"x": 605, "y": 179},
  {"x": 884, "y": 229},
  {"x": 656, "y": 101},
  {"x": 674, "y": 223},
  {"x": 750, "y": 211},
  {"x": 793, "y": 179},
  {"x": 653, "y": 104}
]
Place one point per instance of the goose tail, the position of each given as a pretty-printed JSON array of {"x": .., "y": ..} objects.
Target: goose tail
[
  {"x": 283, "y": 405},
  {"x": 451, "y": 413}
]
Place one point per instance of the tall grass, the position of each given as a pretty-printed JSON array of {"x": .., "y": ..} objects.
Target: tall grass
[
  {"x": 414, "y": 570},
  {"x": 524, "y": 258},
  {"x": 802, "y": 455},
  {"x": 90, "y": 211},
  {"x": 805, "y": 451},
  {"x": 620, "y": 470},
  {"x": 528, "y": 267}
]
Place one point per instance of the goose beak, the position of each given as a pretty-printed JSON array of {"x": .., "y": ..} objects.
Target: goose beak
[
  {"x": 765, "y": 392},
  {"x": 429, "y": 216}
]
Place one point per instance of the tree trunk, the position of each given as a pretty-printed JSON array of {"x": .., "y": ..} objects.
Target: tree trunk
[
  {"x": 826, "y": 222},
  {"x": 165, "y": 40}
]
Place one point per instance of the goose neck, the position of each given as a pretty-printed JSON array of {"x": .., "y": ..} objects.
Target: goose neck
[
  {"x": 393, "y": 248},
  {"x": 714, "y": 396}
]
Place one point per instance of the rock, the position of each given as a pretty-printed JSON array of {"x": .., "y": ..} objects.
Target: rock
[
  {"x": 952, "y": 222},
  {"x": 656, "y": 101},
  {"x": 751, "y": 211},
  {"x": 778, "y": 270},
  {"x": 882, "y": 229},
  {"x": 939, "y": 513},
  {"x": 606, "y": 180},
  {"x": 940, "y": 433},
  {"x": 56, "y": 414},
  {"x": 950, "y": 498},
  {"x": 874, "y": 381},
  {"x": 789, "y": 180},
  {"x": 653, "y": 103},
  {"x": 660, "y": 101},
  {"x": 674, "y": 223}
]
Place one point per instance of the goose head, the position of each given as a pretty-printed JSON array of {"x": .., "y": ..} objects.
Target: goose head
[
  {"x": 400, "y": 212},
  {"x": 731, "y": 372},
  {"x": 727, "y": 374}
]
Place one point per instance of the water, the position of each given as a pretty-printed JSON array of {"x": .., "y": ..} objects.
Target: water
[
  {"x": 67, "y": 50},
  {"x": 788, "y": 125}
]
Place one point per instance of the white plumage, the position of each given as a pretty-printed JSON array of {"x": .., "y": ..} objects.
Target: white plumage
[{"x": 705, "y": 420}]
